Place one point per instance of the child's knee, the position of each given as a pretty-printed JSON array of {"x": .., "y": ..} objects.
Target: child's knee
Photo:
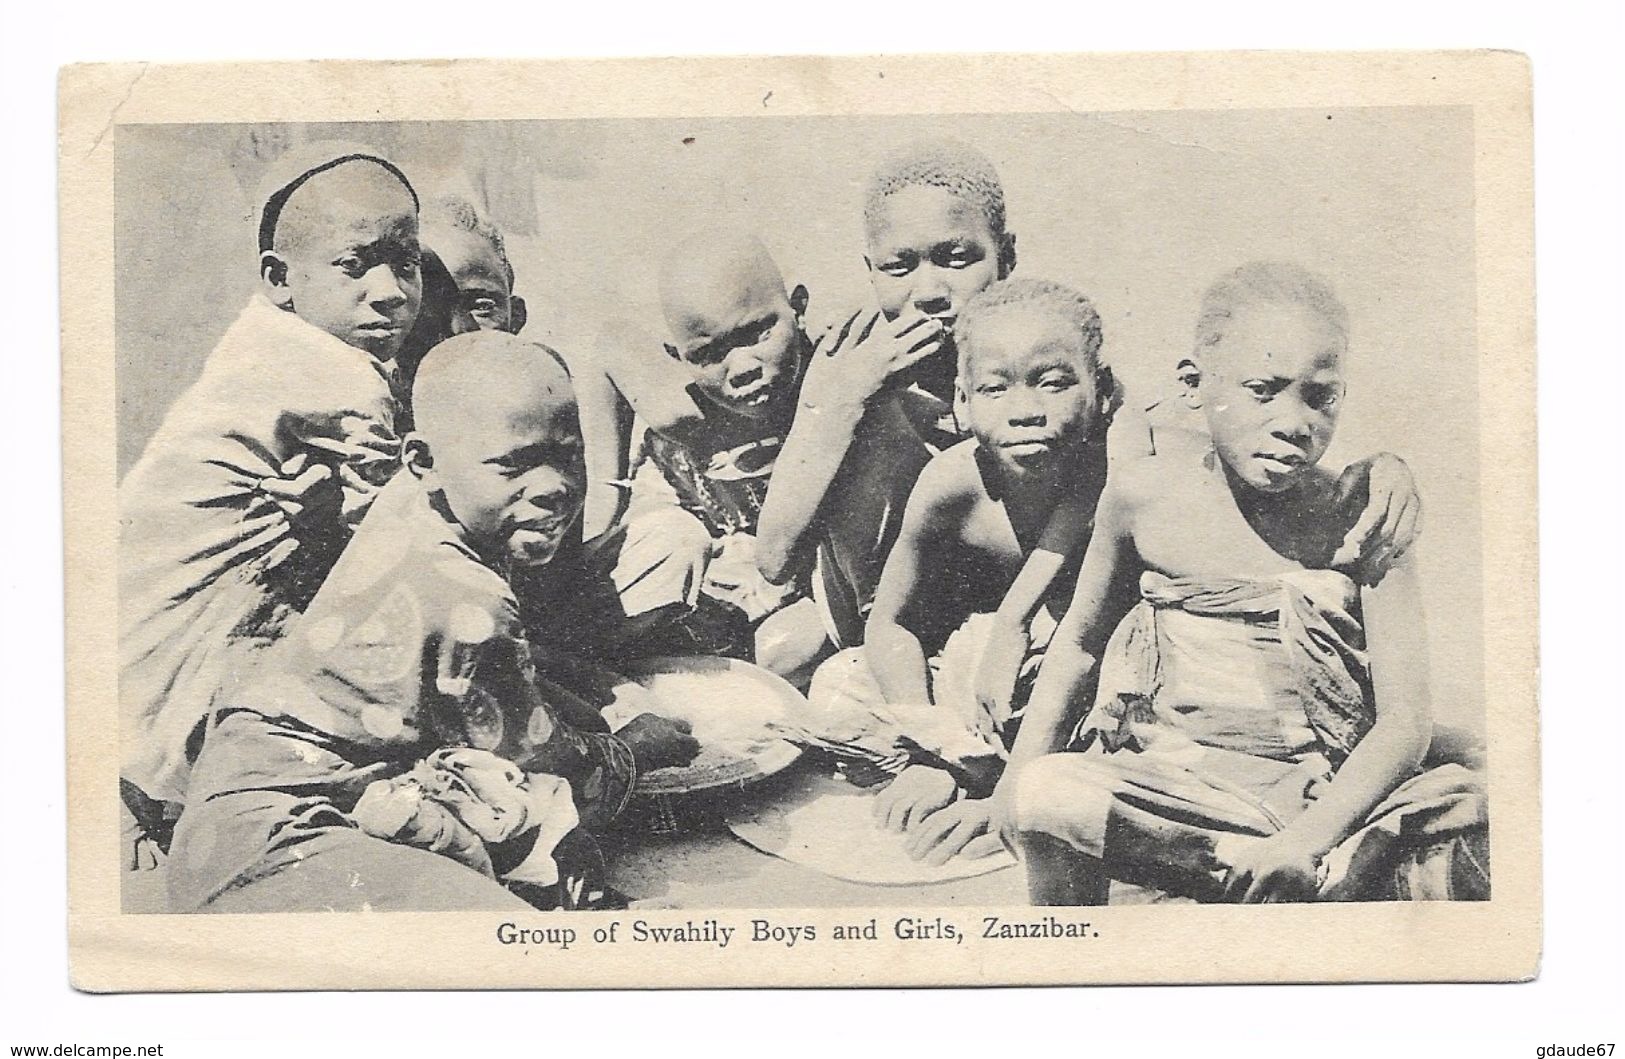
[
  {"x": 791, "y": 641},
  {"x": 842, "y": 678},
  {"x": 1060, "y": 795},
  {"x": 662, "y": 560}
]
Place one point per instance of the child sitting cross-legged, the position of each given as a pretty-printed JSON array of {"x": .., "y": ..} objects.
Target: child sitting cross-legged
[{"x": 1260, "y": 721}]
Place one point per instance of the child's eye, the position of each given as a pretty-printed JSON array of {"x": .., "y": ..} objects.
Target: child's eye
[
  {"x": 763, "y": 332},
  {"x": 1323, "y": 398},
  {"x": 899, "y": 266},
  {"x": 352, "y": 265},
  {"x": 991, "y": 389},
  {"x": 1259, "y": 389}
]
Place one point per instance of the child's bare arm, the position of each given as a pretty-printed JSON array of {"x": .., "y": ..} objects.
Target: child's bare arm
[
  {"x": 1390, "y": 520},
  {"x": 606, "y": 433},
  {"x": 1008, "y": 641},
  {"x": 657, "y": 389},
  {"x": 1067, "y": 530},
  {"x": 892, "y": 648},
  {"x": 1103, "y": 596},
  {"x": 848, "y": 371}
]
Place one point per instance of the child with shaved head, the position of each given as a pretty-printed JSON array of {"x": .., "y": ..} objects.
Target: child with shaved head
[
  {"x": 715, "y": 411},
  {"x": 410, "y": 672},
  {"x": 1259, "y": 719},
  {"x": 245, "y": 494}
]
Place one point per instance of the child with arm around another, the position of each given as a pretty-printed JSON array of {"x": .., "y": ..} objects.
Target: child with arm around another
[{"x": 1259, "y": 719}]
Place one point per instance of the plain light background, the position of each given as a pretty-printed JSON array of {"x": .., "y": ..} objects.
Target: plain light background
[
  {"x": 1141, "y": 211},
  {"x": 1578, "y": 83}
]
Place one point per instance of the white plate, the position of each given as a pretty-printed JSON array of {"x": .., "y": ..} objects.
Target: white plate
[{"x": 729, "y": 703}]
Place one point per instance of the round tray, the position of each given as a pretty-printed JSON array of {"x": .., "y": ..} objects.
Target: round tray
[{"x": 729, "y": 704}]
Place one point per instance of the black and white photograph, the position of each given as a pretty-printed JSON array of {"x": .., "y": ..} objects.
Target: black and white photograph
[{"x": 814, "y": 532}]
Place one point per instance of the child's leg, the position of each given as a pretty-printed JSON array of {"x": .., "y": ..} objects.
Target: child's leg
[
  {"x": 291, "y": 856},
  {"x": 861, "y": 517},
  {"x": 263, "y": 833},
  {"x": 1131, "y": 817},
  {"x": 656, "y": 558},
  {"x": 792, "y": 642},
  {"x": 1057, "y": 874}
]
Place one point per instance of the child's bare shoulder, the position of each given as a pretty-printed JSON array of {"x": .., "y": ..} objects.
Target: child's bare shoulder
[
  {"x": 1135, "y": 482},
  {"x": 952, "y": 481}
]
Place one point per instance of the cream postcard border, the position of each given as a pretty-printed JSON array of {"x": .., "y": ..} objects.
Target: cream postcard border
[{"x": 1497, "y": 940}]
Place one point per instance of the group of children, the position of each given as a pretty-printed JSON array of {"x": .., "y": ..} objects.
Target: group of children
[{"x": 380, "y": 561}]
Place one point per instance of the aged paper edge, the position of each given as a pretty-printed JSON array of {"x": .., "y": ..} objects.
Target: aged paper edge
[{"x": 1496, "y": 941}]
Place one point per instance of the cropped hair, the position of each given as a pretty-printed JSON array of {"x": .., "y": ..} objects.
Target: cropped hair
[
  {"x": 457, "y": 212},
  {"x": 1266, "y": 283},
  {"x": 955, "y": 167},
  {"x": 1055, "y": 299}
]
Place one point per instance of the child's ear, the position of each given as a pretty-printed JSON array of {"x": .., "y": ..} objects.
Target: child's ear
[
  {"x": 517, "y": 314},
  {"x": 1190, "y": 382},
  {"x": 417, "y": 458},
  {"x": 961, "y": 407},
  {"x": 1108, "y": 393},
  {"x": 274, "y": 277},
  {"x": 798, "y": 301},
  {"x": 1007, "y": 255}
]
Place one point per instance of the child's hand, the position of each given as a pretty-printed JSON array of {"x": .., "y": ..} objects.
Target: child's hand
[
  {"x": 1277, "y": 868},
  {"x": 659, "y": 742},
  {"x": 998, "y": 670},
  {"x": 1391, "y": 520},
  {"x": 857, "y": 359},
  {"x": 916, "y": 793},
  {"x": 963, "y": 828},
  {"x": 304, "y": 491}
]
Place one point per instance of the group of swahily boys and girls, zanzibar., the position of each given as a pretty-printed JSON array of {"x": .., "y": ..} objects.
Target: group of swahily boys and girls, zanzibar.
[{"x": 380, "y": 561}]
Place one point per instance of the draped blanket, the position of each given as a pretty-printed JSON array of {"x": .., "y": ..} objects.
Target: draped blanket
[
  {"x": 1225, "y": 707},
  {"x": 209, "y": 565}
]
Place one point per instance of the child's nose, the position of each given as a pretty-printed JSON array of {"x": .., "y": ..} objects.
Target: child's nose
[
  {"x": 548, "y": 488},
  {"x": 1023, "y": 408},
  {"x": 932, "y": 295},
  {"x": 1292, "y": 424},
  {"x": 384, "y": 287}
]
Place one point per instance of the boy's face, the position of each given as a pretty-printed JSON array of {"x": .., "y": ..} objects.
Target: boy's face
[
  {"x": 739, "y": 338},
  {"x": 1272, "y": 389},
  {"x": 482, "y": 281},
  {"x": 514, "y": 475},
  {"x": 930, "y": 251},
  {"x": 1028, "y": 388},
  {"x": 347, "y": 257}
]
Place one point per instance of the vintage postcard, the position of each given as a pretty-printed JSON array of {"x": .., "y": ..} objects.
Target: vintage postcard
[{"x": 954, "y": 520}]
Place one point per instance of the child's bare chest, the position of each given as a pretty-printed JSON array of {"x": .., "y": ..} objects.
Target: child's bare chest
[
  {"x": 996, "y": 540},
  {"x": 1200, "y": 532}
]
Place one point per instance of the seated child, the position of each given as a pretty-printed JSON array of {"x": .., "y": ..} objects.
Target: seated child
[
  {"x": 411, "y": 667},
  {"x": 1260, "y": 721},
  {"x": 655, "y": 566},
  {"x": 934, "y": 222},
  {"x": 476, "y": 256},
  {"x": 1006, "y": 504},
  {"x": 715, "y": 410},
  {"x": 224, "y": 533}
]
